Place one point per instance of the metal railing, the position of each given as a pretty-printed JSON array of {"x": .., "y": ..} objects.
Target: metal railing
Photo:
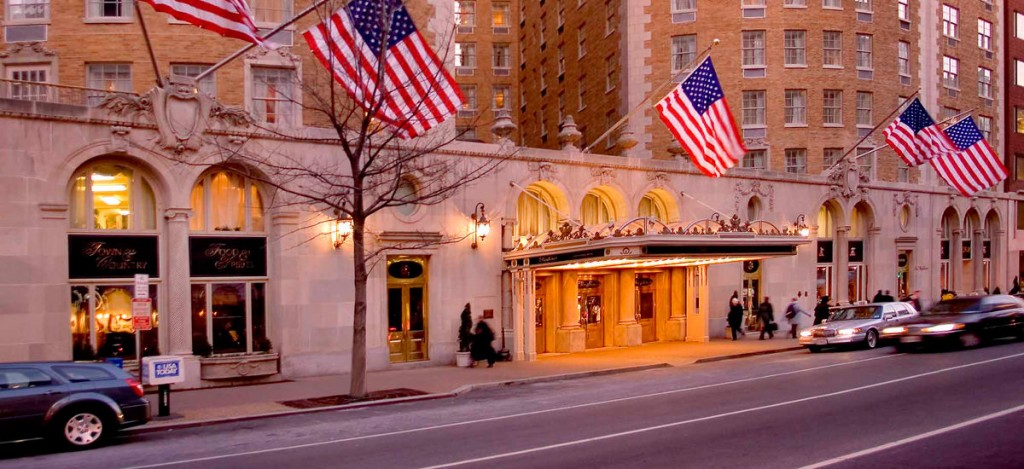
[{"x": 51, "y": 93}]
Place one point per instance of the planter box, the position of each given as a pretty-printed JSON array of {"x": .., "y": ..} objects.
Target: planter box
[{"x": 245, "y": 366}]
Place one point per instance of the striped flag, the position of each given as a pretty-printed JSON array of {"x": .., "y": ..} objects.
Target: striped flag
[
  {"x": 916, "y": 137},
  {"x": 414, "y": 93},
  {"x": 975, "y": 166},
  {"x": 231, "y": 18},
  {"x": 698, "y": 116}
]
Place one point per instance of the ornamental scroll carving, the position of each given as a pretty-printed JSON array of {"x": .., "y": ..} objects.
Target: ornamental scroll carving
[
  {"x": 744, "y": 190},
  {"x": 658, "y": 180},
  {"x": 546, "y": 171},
  {"x": 604, "y": 174},
  {"x": 846, "y": 181},
  {"x": 905, "y": 198}
]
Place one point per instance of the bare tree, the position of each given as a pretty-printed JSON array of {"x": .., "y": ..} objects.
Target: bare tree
[{"x": 365, "y": 174}]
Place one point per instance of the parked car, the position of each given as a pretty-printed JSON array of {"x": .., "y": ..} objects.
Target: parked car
[
  {"x": 857, "y": 325},
  {"x": 76, "y": 404},
  {"x": 963, "y": 321}
]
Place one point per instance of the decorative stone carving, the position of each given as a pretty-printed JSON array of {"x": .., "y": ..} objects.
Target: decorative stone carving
[
  {"x": 503, "y": 126},
  {"x": 626, "y": 141},
  {"x": 36, "y": 49},
  {"x": 249, "y": 366},
  {"x": 119, "y": 141},
  {"x": 846, "y": 181},
  {"x": 905, "y": 198},
  {"x": 676, "y": 150},
  {"x": 127, "y": 104},
  {"x": 232, "y": 116},
  {"x": 568, "y": 134},
  {"x": 604, "y": 174},
  {"x": 743, "y": 190},
  {"x": 659, "y": 180}
]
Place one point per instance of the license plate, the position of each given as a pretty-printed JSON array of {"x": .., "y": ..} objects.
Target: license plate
[
  {"x": 820, "y": 342},
  {"x": 909, "y": 339}
]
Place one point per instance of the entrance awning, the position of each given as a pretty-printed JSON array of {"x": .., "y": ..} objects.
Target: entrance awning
[{"x": 640, "y": 244}]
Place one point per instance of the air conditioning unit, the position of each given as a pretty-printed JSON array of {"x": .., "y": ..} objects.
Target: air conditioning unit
[
  {"x": 501, "y": 30},
  {"x": 905, "y": 25},
  {"x": 685, "y": 17},
  {"x": 754, "y": 12},
  {"x": 25, "y": 33},
  {"x": 464, "y": 71},
  {"x": 465, "y": 30},
  {"x": 502, "y": 72},
  {"x": 866, "y": 74},
  {"x": 905, "y": 80},
  {"x": 864, "y": 17},
  {"x": 467, "y": 112},
  {"x": 952, "y": 42},
  {"x": 754, "y": 73},
  {"x": 952, "y": 93},
  {"x": 988, "y": 54}
]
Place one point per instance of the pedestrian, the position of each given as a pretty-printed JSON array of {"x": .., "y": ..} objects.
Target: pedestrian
[
  {"x": 735, "y": 317},
  {"x": 766, "y": 314},
  {"x": 996, "y": 291},
  {"x": 793, "y": 312},
  {"x": 821, "y": 311},
  {"x": 887, "y": 297},
  {"x": 481, "y": 348},
  {"x": 1014, "y": 287},
  {"x": 915, "y": 300},
  {"x": 878, "y": 297}
]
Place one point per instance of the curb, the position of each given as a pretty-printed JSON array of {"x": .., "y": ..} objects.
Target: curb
[{"x": 748, "y": 354}]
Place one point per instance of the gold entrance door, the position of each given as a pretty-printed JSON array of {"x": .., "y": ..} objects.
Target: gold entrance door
[
  {"x": 538, "y": 315},
  {"x": 591, "y": 309},
  {"x": 645, "y": 306},
  {"x": 407, "y": 309}
]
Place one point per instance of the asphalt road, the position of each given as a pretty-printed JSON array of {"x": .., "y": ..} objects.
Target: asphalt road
[{"x": 844, "y": 409}]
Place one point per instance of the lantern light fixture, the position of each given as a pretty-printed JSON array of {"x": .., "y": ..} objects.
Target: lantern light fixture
[
  {"x": 481, "y": 225},
  {"x": 341, "y": 228},
  {"x": 801, "y": 226}
]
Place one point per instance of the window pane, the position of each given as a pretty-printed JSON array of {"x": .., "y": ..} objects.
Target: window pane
[
  {"x": 198, "y": 202},
  {"x": 256, "y": 208},
  {"x": 395, "y": 310},
  {"x": 260, "y": 343},
  {"x": 110, "y": 8},
  {"x": 206, "y": 85},
  {"x": 833, "y": 48},
  {"x": 114, "y": 334},
  {"x": 227, "y": 201},
  {"x": 229, "y": 331},
  {"x": 111, "y": 196},
  {"x": 272, "y": 95},
  {"x": 81, "y": 338},
  {"x": 200, "y": 340}
]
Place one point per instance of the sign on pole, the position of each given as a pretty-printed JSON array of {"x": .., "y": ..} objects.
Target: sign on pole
[
  {"x": 141, "y": 318},
  {"x": 141, "y": 285}
]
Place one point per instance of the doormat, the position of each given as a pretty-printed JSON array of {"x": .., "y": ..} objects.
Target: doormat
[{"x": 342, "y": 399}]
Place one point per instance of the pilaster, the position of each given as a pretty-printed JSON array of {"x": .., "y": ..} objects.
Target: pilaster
[{"x": 177, "y": 320}]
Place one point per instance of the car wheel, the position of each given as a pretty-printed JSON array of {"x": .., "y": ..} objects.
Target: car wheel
[
  {"x": 82, "y": 428},
  {"x": 969, "y": 339},
  {"x": 814, "y": 348},
  {"x": 871, "y": 340}
]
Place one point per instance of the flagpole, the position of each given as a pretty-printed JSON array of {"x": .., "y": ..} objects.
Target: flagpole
[
  {"x": 648, "y": 97},
  {"x": 149, "y": 45},
  {"x": 250, "y": 45},
  {"x": 948, "y": 119},
  {"x": 873, "y": 129}
]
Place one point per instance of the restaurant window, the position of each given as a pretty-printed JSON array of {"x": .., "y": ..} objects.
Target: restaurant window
[
  {"x": 596, "y": 209},
  {"x": 101, "y": 322},
  {"x": 226, "y": 201},
  {"x": 229, "y": 317},
  {"x": 536, "y": 212},
  {"x": 111, "y": 196}
]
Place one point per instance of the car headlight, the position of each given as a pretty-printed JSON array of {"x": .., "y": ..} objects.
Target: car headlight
[
  {"x": 944, "y": 327},
  {"x": 894, "y": 330},
  {"x": 805, "y": 333},
  {"x": 852, "y": 331}
]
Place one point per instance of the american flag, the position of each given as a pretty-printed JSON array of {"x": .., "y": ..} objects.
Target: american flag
[
  {"x": 975, "y": 166},
  {"x": 414, "y": 91},
  {"x": 916, "y": 137},
  {"x": 231, "y": 18},
  {"x": 698, "y": 116}
]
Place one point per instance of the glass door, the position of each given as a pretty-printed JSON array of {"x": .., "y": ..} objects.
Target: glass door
[
  {"x": 538, "y": 315},
  {"x": 645, "y": 307},
  {"x": 591, "y": 306},
  {"x": 407, "y": 309}
]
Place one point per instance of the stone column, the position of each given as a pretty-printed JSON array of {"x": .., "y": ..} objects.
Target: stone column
[
  {"x": 997, "y": 255},
  {"x": 628, "y": 332},
  {"x": 570, "y": 337},
  {"x": 519, "y": 296},
  {"x": 956, "y": 262},
  {"x": 675, "y": 327},
  {"x": 526, "y": 321},
  {"x": 176, "y": 319},
  {"x": 697, "y": 322},
  {"x": 876, "y": 264},
  {"x": 841, "y": 276},
  {"x": 977, "y": 255}
]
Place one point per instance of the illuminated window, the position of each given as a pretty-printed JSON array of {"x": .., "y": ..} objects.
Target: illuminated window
[
  {"x": 112, "y": 196},
  {"x": 226, "y": 201}
]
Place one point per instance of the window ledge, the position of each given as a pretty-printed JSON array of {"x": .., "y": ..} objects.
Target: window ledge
[
  {"x": 795, "y": 126},
  {"x": 833, "y": 126},
  {"x": 112, "y": 20},
  {"x": 795, "y": 66},
  {"x": 26, "y": 22},
  {"x": 833, "y": 67}
]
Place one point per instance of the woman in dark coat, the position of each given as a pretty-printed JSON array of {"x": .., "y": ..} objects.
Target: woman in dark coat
[
  {"x": 481, "y": 348},
  {"x": 821, "y": 310},
  {"x": 766, "y": 313},
  {"x": 735, "y": 316}
]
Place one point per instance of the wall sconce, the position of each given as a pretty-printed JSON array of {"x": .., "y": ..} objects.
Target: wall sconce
[
  {"x": 801, "y": 226},
  {"x": 341, "y": 227},
  {"x": 481, "y": 226}
]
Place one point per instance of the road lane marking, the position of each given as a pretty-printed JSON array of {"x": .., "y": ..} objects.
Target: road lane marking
[
  {"x": 915, "y": 438},
  {"x": 511, "y": 416},
  {"x": 712, "y": 417}
]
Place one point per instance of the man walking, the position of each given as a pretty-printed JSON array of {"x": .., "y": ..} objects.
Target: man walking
[
  {"x": 767, "y": 315},
  {"x": 821, "y": 311},
  {"x": 793, "y": 312}
]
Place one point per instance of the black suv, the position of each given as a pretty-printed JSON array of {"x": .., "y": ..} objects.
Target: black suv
[{"x": 76, "y": 404}]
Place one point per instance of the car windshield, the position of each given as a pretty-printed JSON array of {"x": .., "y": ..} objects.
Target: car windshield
[
  {"x": 954, "y": 306},
  {"x": 859, "y": 312}
]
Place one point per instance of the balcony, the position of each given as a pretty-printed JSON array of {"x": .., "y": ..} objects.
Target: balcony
[{"x": 49, "y": 99}]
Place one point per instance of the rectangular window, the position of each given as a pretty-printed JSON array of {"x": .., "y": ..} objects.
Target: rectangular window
[
  {"x": 206, "y": 85},
  {"x": 754, "y": 108},
  {"x": 684, "y": 11},
  {"x": 832, "y": 107},
  {"x": 465, "y": 16},
  {"x": 794, "y": 3},
  {"x": 903, "y": 58},
  {"x": 109, "y": 77},
  {"x": 502, "y": 96},
  {"x": 610, "y": 67},
  {"x": 950, "y": 21},
  {"x": 984, "y": 34},
  {"x": 864, "y": 47},
  {"x": 501, "y": 17},
  {"x": 582, "y": 95},
  {"x": 755, "y": 159},
  {"x": 102, "y": 9},
  {"x": 101, "y": 325},
  {"x": 465, "y": 54},
  {"x": 609, "y": 18},
  {"x": 831, "y": 156},
  {"x": 864, "y": 107},
  {"x": 753, "y": 49},
  {"x": 1019, "y": 24},
  {"x": 796, "y": 160},
  {"x": 984, "y": 83},
  {"x": 684, "y": 50},
  {"x": 950, "y": 72},
  {"x": 985, "y": 126},
  {"x": 273, "y": 100},
  {"x": 948, "y": 113},
  {"x": 902, "y": 171},
  {"x": 581, "y": 39},
  {"x": 1019, "y": 160},
  {"x": 469, "y": 104},
  {"x": 32, "y": 74},
  {"x": 832, "y": 3},
  {"x": 796, "y": 107},
  {"x": 239, "y": 325},
  {"x": 903, "y": 10},
  {"x": 866, "y": 161},
  {"x": 561, "y": 61},
  {"x": 795, "y": 46},
  {"x": 502, "y": 56},
  {"x": 1018, "y": 67},
  {"x": 542, "y": 74},
  {"x": 28, "y": 11},
  {"x": 832, "y": 44},
  {"x": 862, "y": 5}
]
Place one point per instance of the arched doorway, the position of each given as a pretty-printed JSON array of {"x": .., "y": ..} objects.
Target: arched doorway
[
  {"x": 991, "y": 243},
  {"x": 948, "y": 234},
  {"x": 861, "y": 222},
  {"x": 539, "y": 210},
  {"x": 825, "y": 250},
  {"x": 970, "y": 252}
]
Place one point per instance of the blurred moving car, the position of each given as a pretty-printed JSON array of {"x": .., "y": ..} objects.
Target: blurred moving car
[
  {"x": 76, "y": 404},
  {"x": 857, "y": 325},
  {"x": 962, "y": 321}
]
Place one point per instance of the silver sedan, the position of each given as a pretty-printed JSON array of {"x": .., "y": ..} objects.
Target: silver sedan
[{"x": 857, "y": 325}]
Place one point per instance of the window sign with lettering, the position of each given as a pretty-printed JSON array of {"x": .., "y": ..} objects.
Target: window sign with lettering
[
  {"x": 856, "y": 251},
  {"x": 824, "y": 251},
  {"x": 227, "y": 256},
  {"x": 965, "y": 249},
  {"x": 986, "y": 249},
  {"x": 91, "y": 256},
  {"x": 944, "y": 249}
]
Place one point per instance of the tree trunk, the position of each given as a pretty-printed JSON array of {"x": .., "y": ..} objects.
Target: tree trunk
[{"x": 357, "y": 387}]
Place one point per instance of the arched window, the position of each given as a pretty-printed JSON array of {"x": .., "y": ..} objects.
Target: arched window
[
  {"x": 226, "y": 201},
  {"x": 535, "y": 212},
  {"x": 406, "y": 191},
  {"x": 651, "y": 206},
  {"x": 111, "y": 196},
  {"x": 596, "y": 209},
  {"x": 754, "y": 208},
  {"x": 825, "y": 225}
]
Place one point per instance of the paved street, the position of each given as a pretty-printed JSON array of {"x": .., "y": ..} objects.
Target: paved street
[{"x": 795, "y": 409}]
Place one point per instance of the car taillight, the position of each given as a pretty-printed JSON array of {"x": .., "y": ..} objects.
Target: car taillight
[{"x": 136, "y": 386}]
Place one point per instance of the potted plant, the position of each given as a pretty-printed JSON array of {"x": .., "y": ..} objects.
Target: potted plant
[{"x": 462, "y": 357}]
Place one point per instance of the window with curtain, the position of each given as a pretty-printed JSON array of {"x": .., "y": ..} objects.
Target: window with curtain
[
  {"x": 651, "y": 206},
  {"x": 112, "y": 196},
  {"x": 596, "y": 209},
  {"x": 225, "y": 201}
]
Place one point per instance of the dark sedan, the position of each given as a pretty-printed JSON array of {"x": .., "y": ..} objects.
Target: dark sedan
[
  {"x": 75, "y": 404},
  {"x": 963, "y": 322}
]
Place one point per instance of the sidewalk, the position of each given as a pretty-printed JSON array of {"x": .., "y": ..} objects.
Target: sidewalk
[{"x": 203, "y": 406}]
